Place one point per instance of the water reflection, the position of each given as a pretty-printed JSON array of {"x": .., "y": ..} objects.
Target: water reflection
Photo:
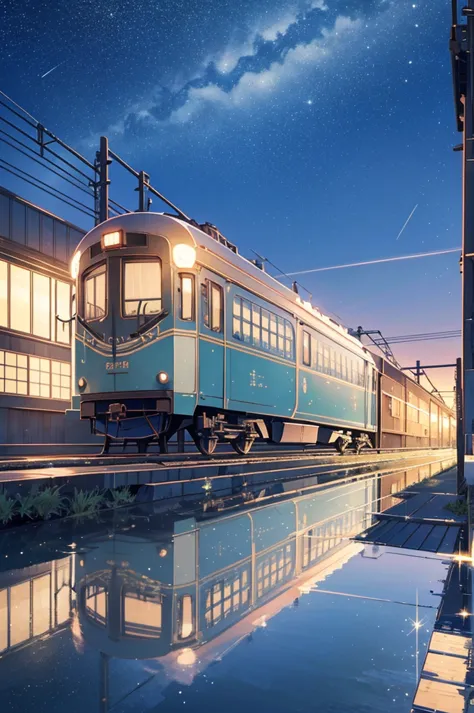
[{"x": 176, "y": 590}]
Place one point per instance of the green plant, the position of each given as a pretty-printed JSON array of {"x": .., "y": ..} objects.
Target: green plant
[
  {"x": 120, "y": 496},
  {"x": 49, "y": 502},
  {"x": 27, "y": 504},
  {"x": 85, "y": 502},
  {"x": 7, "y": 508},
  {"x": 458, "y": 507}
]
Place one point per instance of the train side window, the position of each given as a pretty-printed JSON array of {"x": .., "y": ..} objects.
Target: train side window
[
  {"x": 306, "y": 349},
  {"x": 374, "y": 380},
  {"x": 95, "y": 294},
  {"x": 216, "y": 308},
  {"x": 187, "y": 297},
  {"x": 205, "y": 303}
]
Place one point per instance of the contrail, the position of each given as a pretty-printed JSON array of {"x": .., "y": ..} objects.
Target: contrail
[
  {"x": 376, "y": 262},
  {"x": 406, "y": 222},
  {"x": 52, "y": 70}
]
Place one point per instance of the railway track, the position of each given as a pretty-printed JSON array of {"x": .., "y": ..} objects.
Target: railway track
[{"x": 196, "y": 460}]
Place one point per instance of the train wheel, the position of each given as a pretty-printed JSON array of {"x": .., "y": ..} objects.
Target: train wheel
[
  {"x": 206, "y": 444},
  {"x": 242, "y": 444},
  {"x": 341, "y": 445}
]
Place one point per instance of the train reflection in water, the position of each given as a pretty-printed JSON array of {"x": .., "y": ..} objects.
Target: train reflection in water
[
  {"x": 178, "y": 589},
  {"x": 145, "y": 594}
]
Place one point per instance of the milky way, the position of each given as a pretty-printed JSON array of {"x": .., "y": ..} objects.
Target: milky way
[{"x": 305, "y": 129}]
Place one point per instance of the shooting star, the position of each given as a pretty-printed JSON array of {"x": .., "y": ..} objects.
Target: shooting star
[
  {"x": 51, "y": 70},
  {"x": 406, "y": 222},
  {"x": 375, "y": 262}
]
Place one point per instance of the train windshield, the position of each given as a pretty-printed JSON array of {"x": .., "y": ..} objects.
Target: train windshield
[
  {"x": 141, "y": 287},
  {"x": 95, "y": 294}
]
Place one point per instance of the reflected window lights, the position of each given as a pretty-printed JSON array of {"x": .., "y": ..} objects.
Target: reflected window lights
[
  {"x": 226, "y": 596},
  {"x": 35, "y": 606},
  {"x": 185, "y": 614},
  {"x": 274, "y": 569},
  {"x": 142, "y": 614},
  {"x": 96, "y": 603}
]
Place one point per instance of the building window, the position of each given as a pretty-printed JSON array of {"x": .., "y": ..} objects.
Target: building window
[
  {"x": 29, "y": 302},
  {"x": 20, "y": 298},
  {"x": 33, "y": 376},
  {"x": 142, "y": 287},
  {"x": 60, "y": 380},
  {"x": 13, "y": 373},
  {"x": 42, "y": 306},
  {"x": 187, "y": 297},
  {"x": 63, "y": 310},
  {"x": 261, "y": 328},
  {"x": 95, "y": 296},
  {"x": 3, "y": 294}
]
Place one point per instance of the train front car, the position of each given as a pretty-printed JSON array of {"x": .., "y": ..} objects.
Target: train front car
[{"x": 135, "y": 313}]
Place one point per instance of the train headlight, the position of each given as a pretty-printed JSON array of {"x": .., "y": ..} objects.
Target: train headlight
[
  {"x": 112, "y": 240},
  {"x": 82, "y": 382},
  {"x": 162, "y": 377},
  {"x": 184, "y": 256},
  {"x": 76, "y": 259}
]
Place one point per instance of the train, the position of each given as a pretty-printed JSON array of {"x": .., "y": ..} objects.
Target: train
[{"x": 177, "y": 333}]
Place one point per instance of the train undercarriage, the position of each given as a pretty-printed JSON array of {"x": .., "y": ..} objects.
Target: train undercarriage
[{"x": 209, "y": 428}]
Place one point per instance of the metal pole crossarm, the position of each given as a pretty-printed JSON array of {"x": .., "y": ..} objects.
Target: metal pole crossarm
[{"x": 429, "y": 366}]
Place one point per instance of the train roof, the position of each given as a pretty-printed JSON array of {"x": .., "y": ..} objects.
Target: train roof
[{"x": 153, "y": 222}]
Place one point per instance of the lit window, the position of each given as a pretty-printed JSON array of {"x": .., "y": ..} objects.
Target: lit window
[
  {"x": 142, "y": 614},
  {"x": 186, "y": 623},
  {"x": 20, "y": 613},
  {"x": 187, "y": 297},
  {"x": 13, "y": 373},
  {"x": 306, "y": 348},
  {"x": 142, "y": 288},
  {"x": 95, "y": 300},
  {"x": 3, "y": 294},
  {"x": 41, "y": 604},
  {"x": 41, "y": 306},
  {"x": 20, "y": 296},
  {"x": 96, "y": 603},
  {"x": 216, "y": 308},
  {"x": 63, "y": 310},
  {"x": 40, "y": 379}
]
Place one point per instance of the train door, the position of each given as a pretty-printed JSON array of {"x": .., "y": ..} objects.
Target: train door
[{"x": 211, "y": 340}]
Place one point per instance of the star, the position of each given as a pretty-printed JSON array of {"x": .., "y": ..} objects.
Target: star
[{"x": 309, "y": 102}]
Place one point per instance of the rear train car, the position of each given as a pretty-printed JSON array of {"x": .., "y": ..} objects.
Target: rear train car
[{"x": 409, "y": 416}]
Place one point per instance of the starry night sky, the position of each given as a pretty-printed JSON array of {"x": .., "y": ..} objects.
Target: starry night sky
[{"x": 307, "y": 130}]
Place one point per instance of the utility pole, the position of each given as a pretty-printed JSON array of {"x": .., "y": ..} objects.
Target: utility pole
[{"x": 462, "y": 48}]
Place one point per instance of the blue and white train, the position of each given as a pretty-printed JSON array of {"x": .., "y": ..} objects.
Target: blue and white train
[{"x": 174, "y": 331}]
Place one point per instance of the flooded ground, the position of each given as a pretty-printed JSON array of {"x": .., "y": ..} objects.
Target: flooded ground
[{"x": 269, "y": 606}]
